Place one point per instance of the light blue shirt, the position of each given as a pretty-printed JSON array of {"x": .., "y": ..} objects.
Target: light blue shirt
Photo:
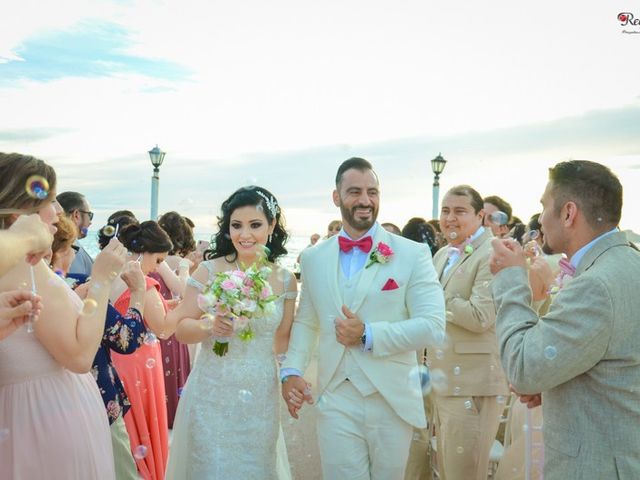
[
  {"x": 453, "y": 258},
  {"x": 575, "y": 259},
  {"x": 351, "y": 263}
]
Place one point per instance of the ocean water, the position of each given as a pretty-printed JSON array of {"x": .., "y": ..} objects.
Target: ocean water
[{"x": 295, "y": 245}]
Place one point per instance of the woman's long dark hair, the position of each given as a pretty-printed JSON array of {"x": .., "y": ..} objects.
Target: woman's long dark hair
[{"x": 243, "y": 197}]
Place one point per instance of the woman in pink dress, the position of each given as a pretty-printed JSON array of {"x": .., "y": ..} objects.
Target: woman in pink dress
[
  {"x": 142, "y": 372},
  {"x": 52, "y": 421}
]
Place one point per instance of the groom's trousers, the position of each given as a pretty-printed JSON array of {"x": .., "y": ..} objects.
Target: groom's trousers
[{"x": 361, "y": 437}]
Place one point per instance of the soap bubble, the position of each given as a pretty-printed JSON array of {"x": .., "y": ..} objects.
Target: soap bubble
[
  {"x": 459, "y": 450},
  {"x": 206, "y": 321},
  {"x": 468, "y": 405},
  {"x": 456, "y": 370},
  {"x": 245, "y": 396},
  {"x": 420, "y": 375},
  {"x": 550, "y": 352},
  {"x": 89, "y": 306},
  {"x": 37, "y": 187},
  {"x": 140, "y": 452},
  {"x": 499, "y": 218},
  {"x": 438, "y": 380},
  {"x": 108, "y": 230}
]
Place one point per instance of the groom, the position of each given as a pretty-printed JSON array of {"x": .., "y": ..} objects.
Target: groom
[{"x": 369, "y": 300}]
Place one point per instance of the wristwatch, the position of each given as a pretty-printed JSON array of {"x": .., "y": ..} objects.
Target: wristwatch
[{"x": 363, "y": 337}]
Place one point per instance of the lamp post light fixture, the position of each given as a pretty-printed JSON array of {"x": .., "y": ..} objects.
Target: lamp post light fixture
[
  {"x": 157, "y": 156},
  {"x": 437, "y": 165}
]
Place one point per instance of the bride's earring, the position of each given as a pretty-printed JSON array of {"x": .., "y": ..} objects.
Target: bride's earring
[{"x": 269, "y": 239}]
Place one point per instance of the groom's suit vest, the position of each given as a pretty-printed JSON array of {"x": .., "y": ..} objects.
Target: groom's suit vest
[{"x": 348, "y": 367}]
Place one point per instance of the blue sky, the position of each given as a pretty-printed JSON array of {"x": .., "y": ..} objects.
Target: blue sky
[
  {"x": 280, "y": 94},
  {"x": 90, "y": 49}
]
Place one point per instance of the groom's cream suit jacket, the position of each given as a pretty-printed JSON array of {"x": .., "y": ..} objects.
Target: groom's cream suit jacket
[
  {"x": 584, "y": 356},
  {"x": 402, "y": 320}
]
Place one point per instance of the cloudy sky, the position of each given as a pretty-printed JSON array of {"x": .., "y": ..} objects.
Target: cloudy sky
[{"x": 279, "y": 93}]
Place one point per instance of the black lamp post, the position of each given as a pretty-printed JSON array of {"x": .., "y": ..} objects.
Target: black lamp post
[
  {"x": 157, "y": 156},
  {"x": 437, "y": 165}
]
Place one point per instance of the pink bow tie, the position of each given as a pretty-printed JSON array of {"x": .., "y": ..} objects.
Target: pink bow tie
[
  {"x": 364, "y": 244},
  {"x": 457, "y": 250},
  {"x": 566, "y": 269}
]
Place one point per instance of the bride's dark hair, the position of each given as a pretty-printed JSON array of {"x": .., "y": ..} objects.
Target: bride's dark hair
[{"x": 262, "y": 199}]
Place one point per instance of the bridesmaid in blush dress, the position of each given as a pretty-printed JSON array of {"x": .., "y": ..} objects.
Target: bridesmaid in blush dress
[
  {"x": 142, "y": 372},
  {"x": 52, "y": 421}
]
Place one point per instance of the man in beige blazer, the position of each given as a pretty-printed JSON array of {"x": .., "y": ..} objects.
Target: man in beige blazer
[
  {"x": 583, "y": 354},
  {"x": 468, "y": 407},
  {"x": 369, "y": 300}
]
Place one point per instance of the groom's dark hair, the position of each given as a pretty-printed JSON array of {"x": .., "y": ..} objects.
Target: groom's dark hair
[{"x": 354, "y": 162}]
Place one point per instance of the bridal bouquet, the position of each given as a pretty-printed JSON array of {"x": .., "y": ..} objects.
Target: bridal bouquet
[{"x": 242, "y": 296}]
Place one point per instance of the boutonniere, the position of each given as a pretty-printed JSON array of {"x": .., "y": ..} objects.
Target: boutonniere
[
  {"x": 468, "y": 249},
  {"x": 381, "y": 254}
]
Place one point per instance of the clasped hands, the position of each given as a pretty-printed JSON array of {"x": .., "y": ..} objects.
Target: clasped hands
[{"x": 295, "y": 389}]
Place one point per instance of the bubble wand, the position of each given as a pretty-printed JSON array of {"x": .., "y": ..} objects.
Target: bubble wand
[{"x": 33, "y": 294}]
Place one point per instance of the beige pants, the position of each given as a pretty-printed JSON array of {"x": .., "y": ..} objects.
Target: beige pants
[
  {"x": 419, "y": 462},
  {"x": 125, "y": 464},
  {"x": 466, "y": 428},
  {"x": 512, "y": 463},
  {"x": 361, "y": 438}
]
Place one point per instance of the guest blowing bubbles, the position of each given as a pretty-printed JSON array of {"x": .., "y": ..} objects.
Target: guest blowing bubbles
[
  {"x": 28, "y": 238},
  {"x": 44, "y": 387},
  {"x": 142, "y": 371}
]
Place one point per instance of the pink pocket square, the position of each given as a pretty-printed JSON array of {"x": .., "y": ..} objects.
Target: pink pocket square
[{"x": 390, "y": 285}]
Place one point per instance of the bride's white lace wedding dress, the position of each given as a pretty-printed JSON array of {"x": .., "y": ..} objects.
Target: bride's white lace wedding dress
[{"x": 227, "y": 425}]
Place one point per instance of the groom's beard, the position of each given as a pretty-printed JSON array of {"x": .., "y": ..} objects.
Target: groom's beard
[{"x": 349, "y": 216}]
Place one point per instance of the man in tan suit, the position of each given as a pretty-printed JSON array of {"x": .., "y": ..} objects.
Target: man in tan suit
[
  {"x": 583, "y": 353},
  {"x": 469, "y": 406}
]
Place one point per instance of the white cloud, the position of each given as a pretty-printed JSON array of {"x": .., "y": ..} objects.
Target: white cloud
[{"x": 291, "y": 75}]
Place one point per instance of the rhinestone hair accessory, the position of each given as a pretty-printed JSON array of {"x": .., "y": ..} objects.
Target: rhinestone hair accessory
[{"x": 271, "y": 204}]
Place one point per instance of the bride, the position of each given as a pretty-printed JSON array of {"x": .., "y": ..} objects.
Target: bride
[{"x": 227, "y": 424}]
